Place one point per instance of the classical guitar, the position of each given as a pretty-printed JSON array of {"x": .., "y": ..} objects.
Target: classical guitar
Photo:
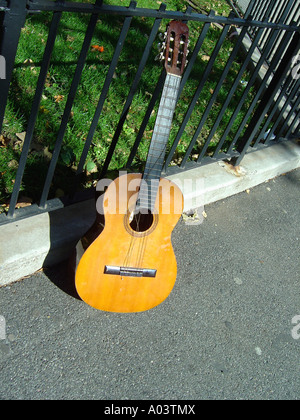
[{"x": 131, "y": 266}]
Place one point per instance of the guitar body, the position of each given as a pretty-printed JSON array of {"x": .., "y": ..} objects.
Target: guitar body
[{"x": 125, "y": 269}]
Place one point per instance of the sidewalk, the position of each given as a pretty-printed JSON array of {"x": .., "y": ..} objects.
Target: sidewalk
[{"x": 223, "y": 333}]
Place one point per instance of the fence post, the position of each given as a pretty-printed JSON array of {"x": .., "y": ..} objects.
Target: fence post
[{"x": 13, "y": 22}]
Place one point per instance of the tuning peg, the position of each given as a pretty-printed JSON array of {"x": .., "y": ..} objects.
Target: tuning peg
[
  {"x": 161, "y": 46},
  {"x": 162, "y": 36},
  {"x": 159, "y": 57}
]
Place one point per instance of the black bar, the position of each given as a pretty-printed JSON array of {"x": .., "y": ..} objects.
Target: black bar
[
  {"x": 262, "y": 87},
  {"x": 292, "y": 127},
  {"x": 13, "y": 22},
  {"x": 131, "y": 94},
  {"x": 268, "y": 97},
  {"x": 250, "y": 8},
  {"x": 34, "y": 110},
  {"x": 200, "y": 88},
  {"x": 289, "y": 117},
  {"x": 248, "y": 87},
  {"x": 186, "y": 74},
  {"x": 274, "y": 11},
  {"x": 104, "y": 92},
  {"x": 68, "y": 107},
  {"x": 285, "y": 15},
  {"x": 271, "y": 113},
  {"x": 291, "y": 97},
  {"x": 232, "y": 90},
  {"x": 47, "y": 5}
]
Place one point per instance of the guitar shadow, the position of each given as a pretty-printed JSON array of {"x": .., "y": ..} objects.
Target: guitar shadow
[{"x": 61, "y": 262}]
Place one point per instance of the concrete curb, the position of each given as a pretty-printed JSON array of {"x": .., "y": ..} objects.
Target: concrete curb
[{"x": 49, "y": 238}]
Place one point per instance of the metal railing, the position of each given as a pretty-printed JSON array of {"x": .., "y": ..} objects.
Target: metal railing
[{"x": 258, "y": 125}]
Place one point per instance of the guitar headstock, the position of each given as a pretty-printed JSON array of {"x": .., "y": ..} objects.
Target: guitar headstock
[{"x": 175, "y": 48}]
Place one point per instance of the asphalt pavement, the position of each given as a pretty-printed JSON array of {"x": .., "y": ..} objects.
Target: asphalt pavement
[{"x": 230, "y": 329}]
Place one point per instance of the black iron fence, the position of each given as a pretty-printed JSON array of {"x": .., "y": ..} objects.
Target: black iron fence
[{"x": 262, "y": 111}]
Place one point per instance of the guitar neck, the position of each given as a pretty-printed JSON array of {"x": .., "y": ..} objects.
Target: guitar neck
[{"x": 160, "y": 136}]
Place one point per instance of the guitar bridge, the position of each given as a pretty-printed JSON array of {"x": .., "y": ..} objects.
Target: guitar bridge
[{"x": 129, "y": 271}]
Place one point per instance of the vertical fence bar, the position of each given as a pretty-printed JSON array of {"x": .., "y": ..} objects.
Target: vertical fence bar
[
  {"x": 274, "y": 107},
  {"x": 13, "y": 22},
  {"x": 288, "y": 119},
  {"x": 132, "y": 92},
  {"x": 295, "y": 126},
  {"x": 104, "y": 92},
  {"x": 268, "y": 97},
  {"x": 292, "y": 97},
  {"x": 250, "y": 8},
  {"x": 200, "y": 88},
  {"x": 69, "y": 104},
  {"x": 34, "y": 110},
  {"x": 245, "y": 94},
  {"x": 231, "y": 92},
  {"x": 262, "y": 87}
]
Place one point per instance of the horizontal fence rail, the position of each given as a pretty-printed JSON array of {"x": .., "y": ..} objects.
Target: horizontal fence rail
[{"x": 249, "y": 112}]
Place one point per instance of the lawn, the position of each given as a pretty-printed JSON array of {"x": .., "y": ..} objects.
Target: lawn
[{"x": 65, "y": 55}]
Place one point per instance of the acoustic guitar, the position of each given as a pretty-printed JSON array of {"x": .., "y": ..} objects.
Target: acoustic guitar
[{"x": 131, "y": 266}]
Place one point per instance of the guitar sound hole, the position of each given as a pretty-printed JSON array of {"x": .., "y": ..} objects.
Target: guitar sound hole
[{"x": 142, "y": 221}]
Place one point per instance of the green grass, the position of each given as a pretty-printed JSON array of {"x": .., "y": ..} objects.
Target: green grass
[{"x": 65, "y": 55}]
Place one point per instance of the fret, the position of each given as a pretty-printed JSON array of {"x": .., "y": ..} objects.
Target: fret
[
  {"x": 162, "y": 126},
  {"x": 169, "y": 98},
  {"x": 157, "y": 148}
]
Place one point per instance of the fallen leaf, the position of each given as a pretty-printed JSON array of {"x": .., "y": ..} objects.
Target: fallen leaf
[
  {"x": 205, "y": 57},
  {"x": 235, "y": 170},
  {"x": 58, "y": 98},
  {"x": 47, "y": 153},
  {"x": 98, "y": 48},
  {"x": 23, "y": 202},
  {"x": 13, "y": 164},
  {"x": 4, "y": 141},
  {"x": 248, "y": 191},
  {"x": 204, "y": 214},
  {"x": 21, "y": 136}
]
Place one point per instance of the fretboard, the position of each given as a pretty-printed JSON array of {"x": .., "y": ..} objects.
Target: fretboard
[{"x": 160, "y": 136}]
